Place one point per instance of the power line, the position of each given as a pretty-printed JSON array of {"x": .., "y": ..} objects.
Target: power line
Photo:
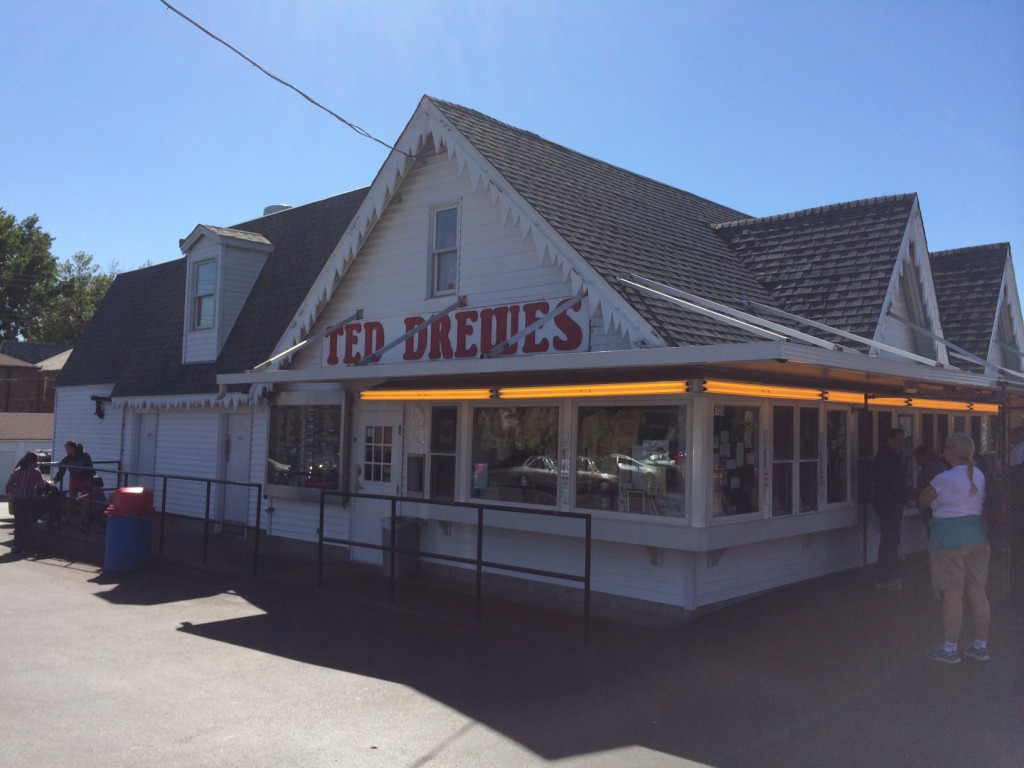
[{"x": 362, "y": 132}]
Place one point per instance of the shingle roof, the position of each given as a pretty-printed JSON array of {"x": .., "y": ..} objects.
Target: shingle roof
[
  {"x": 31, "y": 352},
  {"x": 831, "y": 264},
  {"x": 135, "y": 337},
  {"x": 967, "y": 284},
  {"x": 621, "y": 223}
]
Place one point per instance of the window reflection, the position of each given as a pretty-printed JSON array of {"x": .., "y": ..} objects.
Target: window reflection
[
  {"x": 515, "y": 454},
  {"x": 304, "y": 446},
  {"x": 632, "y": 459}
]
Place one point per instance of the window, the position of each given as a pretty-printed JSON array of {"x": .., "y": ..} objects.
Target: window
[
  {"x": 444, "y": 253},
  {"x": 837, "y": 474},
  {"x": 794, "y": 460},
  {"x": 443, "y": 431},
  {"x": 205, "y": 285},
  {"x": 305, "y": 445},
  {"x": 735, "y": 460},
  {"x": 378, "y": 445},
  {"x": 632, "y": 459},
  {"x": 515, "y": 455}
]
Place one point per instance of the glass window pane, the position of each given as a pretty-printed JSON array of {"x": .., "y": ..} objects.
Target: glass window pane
[
  {"x": 446, "y": 224},
  {"x": 206, "y": 277},
  {"x": 782, "y": 432},
  {"x": 782, "y": 489},
  {"x": 515, "y": 454},
  {"x": 446, "y": 271},
  {"x": 808, "y": 486},
  {"x": 837, "y": 477},
  {"x": 443, "y": 438},
  {"x": 304, "y": 446},
  {"x": 736, "y": 432},
  {"x": 808, "y": 433},
  {"x": 632, "y": 459}
]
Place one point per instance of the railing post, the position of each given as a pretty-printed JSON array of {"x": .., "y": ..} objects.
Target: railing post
[
  {"x": 320, "y": 545},
  {"x": 163, "y": 512},
  {"x": 259, "y": 519},
  {"x": 479, "y": 563},
  {"x": 394, "y": 540},
  {"x": 586, "y": 583},
  {"x": 206, "y": 520}
]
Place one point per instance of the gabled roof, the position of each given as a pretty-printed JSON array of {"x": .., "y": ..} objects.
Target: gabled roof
[
  {"x": 968, "y": 282},
  {"x": 621, "y": 223},
  {"x": 831, "y": 264},
  {"x": 135, "y": 338},
  {"x": 31, "y": 352}
]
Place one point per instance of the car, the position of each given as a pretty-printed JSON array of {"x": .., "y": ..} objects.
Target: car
[{"x": 541, "y": 473}]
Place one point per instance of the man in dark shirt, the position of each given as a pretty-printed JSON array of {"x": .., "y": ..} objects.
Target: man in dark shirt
[{"x": 890, "y": 494}]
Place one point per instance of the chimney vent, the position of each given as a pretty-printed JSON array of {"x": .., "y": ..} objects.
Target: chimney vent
[{"x": 275, "y": 209}]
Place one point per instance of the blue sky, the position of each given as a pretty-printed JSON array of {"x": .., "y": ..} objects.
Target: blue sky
[{"x": 124, "y": 126}]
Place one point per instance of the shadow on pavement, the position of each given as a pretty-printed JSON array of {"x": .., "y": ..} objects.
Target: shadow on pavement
[{"x": 800, "y": 676}]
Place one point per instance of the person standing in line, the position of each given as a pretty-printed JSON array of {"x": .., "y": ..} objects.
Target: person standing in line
[
  {"x": 959, "y": 551},
  {"x": 929, "y": 465},
  {"x": 890, "y": 495},
  {"x": 1014, "y": 490},
  {"x": 23, "y": 488}
]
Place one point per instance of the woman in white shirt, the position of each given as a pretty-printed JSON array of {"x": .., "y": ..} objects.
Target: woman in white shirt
[{"x": 958, "y": 549}]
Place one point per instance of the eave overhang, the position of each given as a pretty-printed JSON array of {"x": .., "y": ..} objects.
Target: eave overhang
[{"x": 770, "y": 362}]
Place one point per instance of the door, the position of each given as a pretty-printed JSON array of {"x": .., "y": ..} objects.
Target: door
[
  {"x": 234, "y": 499},
  {"x": 376, "y": 463},
  {"x": 145, "y": 455}
]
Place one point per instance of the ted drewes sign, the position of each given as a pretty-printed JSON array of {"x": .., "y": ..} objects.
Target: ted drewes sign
[{"x": 463, "y": 333}]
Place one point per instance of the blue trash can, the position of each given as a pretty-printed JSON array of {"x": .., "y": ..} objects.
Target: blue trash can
[{"x": 129, "y": 541}]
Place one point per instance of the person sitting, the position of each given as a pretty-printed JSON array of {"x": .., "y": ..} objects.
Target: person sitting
[{"x": 96, "y": 508}]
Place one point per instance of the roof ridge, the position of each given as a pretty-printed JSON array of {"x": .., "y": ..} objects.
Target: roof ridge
[
  {"x": 863, "y": 203},
  {"x": 508, "y": 126},
  {"x": 968, "y": 249}
]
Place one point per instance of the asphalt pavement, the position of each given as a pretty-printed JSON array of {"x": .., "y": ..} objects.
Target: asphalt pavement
[{"x": 174, "y": 666}]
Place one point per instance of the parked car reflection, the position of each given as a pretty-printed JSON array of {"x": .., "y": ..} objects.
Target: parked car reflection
[{"x": 541, "y": 473}]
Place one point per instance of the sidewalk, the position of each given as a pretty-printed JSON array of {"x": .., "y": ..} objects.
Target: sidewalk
[{"x": 179, "y": 666}]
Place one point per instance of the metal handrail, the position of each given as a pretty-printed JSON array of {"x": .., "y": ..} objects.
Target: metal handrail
[
  {"x": 257, "y": 527},
  {"x": 392, "y": 549}
]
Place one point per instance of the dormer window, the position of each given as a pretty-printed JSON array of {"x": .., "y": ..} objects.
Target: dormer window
[
  {"x": 205, "y": 299},
  {"x": 444, "y": 251}
]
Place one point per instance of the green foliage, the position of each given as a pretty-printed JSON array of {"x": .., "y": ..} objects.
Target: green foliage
[
  {"x": 42, "y": 299},
  {"x": 27, "y": 272},
  {"x": 79, "y": 288}
]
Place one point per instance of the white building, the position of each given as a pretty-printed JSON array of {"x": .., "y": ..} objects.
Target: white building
[{"x": 498, "y": 320}]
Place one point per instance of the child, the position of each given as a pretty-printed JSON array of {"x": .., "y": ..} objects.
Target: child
[{"x": 97, "y": 506}]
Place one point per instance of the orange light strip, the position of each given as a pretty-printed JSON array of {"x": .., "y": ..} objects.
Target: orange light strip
[
  {"x": 425, "y": 394},
  {"x": 595, "y": 390},
  {"x": 756, "y": 390}
]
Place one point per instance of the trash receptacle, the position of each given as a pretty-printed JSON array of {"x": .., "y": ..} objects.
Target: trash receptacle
[
  {"x": 129, "y": 531},
  {"x": 407, "y": 544}
]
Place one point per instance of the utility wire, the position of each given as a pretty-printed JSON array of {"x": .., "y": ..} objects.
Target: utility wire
[{"x": 362, "y": 132}]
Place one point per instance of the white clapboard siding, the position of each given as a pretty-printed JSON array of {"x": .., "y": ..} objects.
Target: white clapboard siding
[
  {"x": 240, "y": 267},
  {"x": 757, "y": 567},
  {"x": 389, "y": 278},
  {"x": 75, "y": 419}
]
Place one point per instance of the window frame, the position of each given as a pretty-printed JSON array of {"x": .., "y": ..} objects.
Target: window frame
[
  {"x": 439, "y": 251},
  {"x": 201, "y": 297}
]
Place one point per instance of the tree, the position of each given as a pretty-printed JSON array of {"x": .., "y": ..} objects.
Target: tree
[
  {"x": 78, "y": 289},
  {"x": 28, "y": 272}
]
